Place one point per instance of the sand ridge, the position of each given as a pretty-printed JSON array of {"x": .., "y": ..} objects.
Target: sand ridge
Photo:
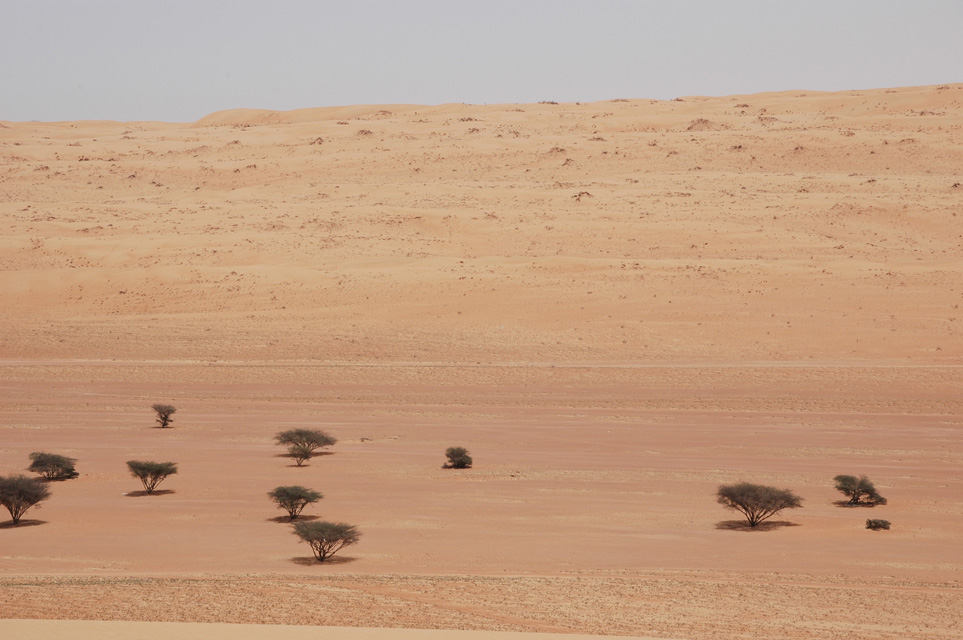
[{"x": 800, "y": 226}]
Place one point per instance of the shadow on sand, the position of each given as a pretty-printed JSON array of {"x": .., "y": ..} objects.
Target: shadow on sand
[
  {"x": 848, "y": 505},
  {"x": 742, "y": 525},
  {"x": 155, "y": 492},
  {"x": 311, "y": 561},
  {"x": 288, "y": 520},
  {"x": 23, "y": 523}
]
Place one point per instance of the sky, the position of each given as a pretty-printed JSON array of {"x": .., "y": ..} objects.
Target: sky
[{"x": 177, "y": 61}]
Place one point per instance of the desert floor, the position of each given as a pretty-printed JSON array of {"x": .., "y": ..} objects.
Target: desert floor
[{"x": 614, "y": 306}]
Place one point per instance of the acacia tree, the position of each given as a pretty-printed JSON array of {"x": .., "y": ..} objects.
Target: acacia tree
[
  {"x": 326, "y": 538},
  {"x": 52, "y": 466},
  {"x": 858, "y": 488},
  {"x": 300, "y": 453},
  {"x": 151, "y": 473},
  {"x": 458, "y": 458},
  {"x": 164, "y": 413},
  {"x": 755, "y": 501},
  {"x": 294, "y": 499},
  {"x": 19, "y": 492},
  {"x": 302, "y": 443}
]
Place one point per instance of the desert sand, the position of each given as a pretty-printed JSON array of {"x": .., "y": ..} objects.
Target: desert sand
[{"x": 615, "y": 306}]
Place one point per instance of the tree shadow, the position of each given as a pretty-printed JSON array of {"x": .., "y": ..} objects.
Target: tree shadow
[
  {"x": 742, "y": 525},
  {"x": 155, "y": 492},
  {"x": 860, "y": 505},
  {"x": 23, "y": 523},
  {"x": 311, "y": 561},
  {"x": 316, "y": 454},
  {"x": 288, "y": 520}
]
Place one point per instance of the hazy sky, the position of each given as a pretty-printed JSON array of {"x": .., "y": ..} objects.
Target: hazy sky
[{"x": 180, "y": 60}]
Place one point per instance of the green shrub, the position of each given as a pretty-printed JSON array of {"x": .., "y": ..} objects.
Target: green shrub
[
  {"x": 302, "y": 443},
  {"x": 860, "y": 491},
  {"x": 326, "y": 538},
  {"x": 151, "y": 473},
  {"x": 458, "y": 458},
  {"x": 294, "y": 499},
  {"x": 877, "y": 525},
  {"x": 19, "y": 492},
  {"x": 755, "y": 501},
  {"x": 164, "y": 413},
  {"x": 52, "y": 466}
]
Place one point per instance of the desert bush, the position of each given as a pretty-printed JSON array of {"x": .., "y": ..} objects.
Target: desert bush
[
  {"x": 151, "y": 473},
  {"x": 877, "y": 525},
  {"x": 294, "y": 499},
  {"x": 302, "y": 443},
  {"x": 300, "y": 453},
  {"x": 52, "y": 466},
  {"x": 19, "y": 492},
  {"x": 755, "y": 501},
  {"x": 326, "y": 538},
  {"x": 458, "y": 458},
  {"x": 856, "y": 489},
  {"x": 164, "y": 413}
]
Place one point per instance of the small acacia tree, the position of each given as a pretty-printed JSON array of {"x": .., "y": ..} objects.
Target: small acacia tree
[
  {"x": 52, "y": 466},
  {"x": 458, "y": 458},
  {"x": 19, "y": 492},
  {"x": 300, "y": 453},
  {"x": 151, "y": 473},
  {"x": 302, "y": 443},
  {"x": 294, "y": 499},
  {"x": 326, "y": 538},
  {"x": 860, "y": 491},
  {"x": 755, "y": 501},
  {"x": 164, "y": 413}
]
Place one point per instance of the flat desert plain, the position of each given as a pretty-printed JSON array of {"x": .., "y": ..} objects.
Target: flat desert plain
[{"x": 616, "y": 307}]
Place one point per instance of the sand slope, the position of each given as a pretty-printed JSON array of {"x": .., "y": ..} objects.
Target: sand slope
[
  {"x": 799, "y": 226},
  {"x": 615, "y": 306}
]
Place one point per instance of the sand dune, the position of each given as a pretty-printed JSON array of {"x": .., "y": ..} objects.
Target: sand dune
[
  {"x": 42, "y": 629},
  {"x": 615, "y": 306}
]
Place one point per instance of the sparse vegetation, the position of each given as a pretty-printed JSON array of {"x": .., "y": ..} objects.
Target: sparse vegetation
[
  {"x": 458, "y": 458},
  {"x": 52, "y": 466},
  {"x": 294, "y": 499},
  {"x": 302, "y": 443},
  {"x": 326, "y": 538},
  {"x": 19, "y": 492},
  {"x": 300, "y": 453},
  {"x": 860, "y": 491},
  {"x": 756, "y": 502},
  {"x": 151, "y": 474},
  {"x": 877, "y": 525},
  {"x": 164, "y": 413}
]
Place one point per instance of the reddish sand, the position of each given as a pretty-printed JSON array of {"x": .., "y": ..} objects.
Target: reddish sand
[{"x": 614, "y": 306}]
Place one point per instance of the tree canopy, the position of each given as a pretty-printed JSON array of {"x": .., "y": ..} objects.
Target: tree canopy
[
  {"x": 458, "y": 458},
  {"x": 860, "y": 491},
  {"x": 294, "y": 499},
  {"x": 52, "y": 466},
  {"x": 151, "y": 473},
  {"x": 302, "y": 443},
  {"x": 756, "y": 502},
  {"x": 19, "y": 492},
  {"x": 164, "y": 413},
  {"x": 326, "y": 538}
]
